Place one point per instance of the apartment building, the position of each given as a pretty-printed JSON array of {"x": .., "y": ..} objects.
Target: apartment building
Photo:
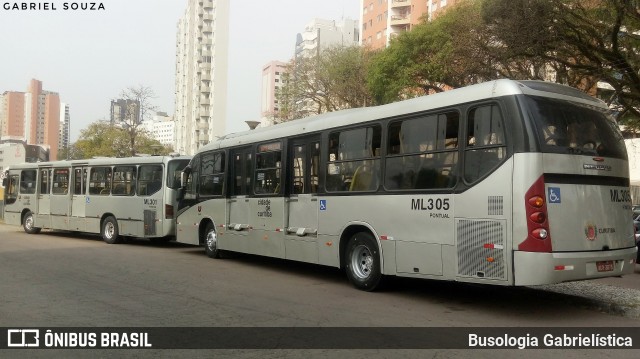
[
  {"x": 162, "y": 127},
  {"x": 320, "y": 34},
  {"x": 202, "y": 44},
  {"x": 382, "y": 20},
  {"x": 33, "y": 115}
]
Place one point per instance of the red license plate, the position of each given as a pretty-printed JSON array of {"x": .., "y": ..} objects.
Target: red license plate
[{"x": 605, "y": 266}]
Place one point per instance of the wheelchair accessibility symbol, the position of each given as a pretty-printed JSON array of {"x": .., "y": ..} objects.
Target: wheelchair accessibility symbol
[
  {"x": 554, "y": 195},
  {"x": 323, "y": 204}
]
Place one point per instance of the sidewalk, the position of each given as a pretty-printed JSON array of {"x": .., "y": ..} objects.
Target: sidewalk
[{"x": 627, "y": 281}]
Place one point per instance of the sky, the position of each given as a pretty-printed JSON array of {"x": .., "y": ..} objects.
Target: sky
[{"x": 90, "y": 57}]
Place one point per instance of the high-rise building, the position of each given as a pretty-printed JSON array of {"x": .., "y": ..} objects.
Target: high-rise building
[
  {"x": 382, "y": 20},
  {"x": 272, "y": 80},
  {"x": 202, "y": 45},
  {"x": 162, "y": 127},
  {"x": 12, "y": 114},
  {"x": 125, "y": 110},
  {"x": 321, "y": 34},
  {"x": 65, "y": 127},
  {"x": 33, "y": 115}
]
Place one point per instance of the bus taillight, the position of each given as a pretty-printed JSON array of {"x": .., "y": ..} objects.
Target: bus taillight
[
  {"x": 539, "y": 238},
  {"x": 168, "y": 211}
]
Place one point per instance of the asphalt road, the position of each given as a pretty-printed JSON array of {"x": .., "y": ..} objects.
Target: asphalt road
[{"x": 62, "y": 279}]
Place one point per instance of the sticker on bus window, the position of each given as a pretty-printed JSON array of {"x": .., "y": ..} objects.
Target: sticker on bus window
[
  {"x": 554, "y": 195},
  {"x": 323, "y": 204}
]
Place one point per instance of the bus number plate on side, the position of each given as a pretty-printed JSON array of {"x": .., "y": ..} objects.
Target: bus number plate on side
[{"x": 606, "y": 266}]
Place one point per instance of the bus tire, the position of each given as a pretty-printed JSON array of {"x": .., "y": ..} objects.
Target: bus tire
[
  {"x": 211, "y": 242},
  {"x": 27, "y": 223},
  {"x": 362, "y": 262},
  {"x": 110, "y": 231}
]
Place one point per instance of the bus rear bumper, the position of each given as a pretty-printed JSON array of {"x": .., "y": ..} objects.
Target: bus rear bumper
[{"x": 532, "y": 268}]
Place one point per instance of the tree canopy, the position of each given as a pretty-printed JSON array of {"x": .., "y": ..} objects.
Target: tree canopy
[
  {"x": 101, "y": 139},
  {"x": 575, "y": 42},
  {"x": 333, "y": 80}
]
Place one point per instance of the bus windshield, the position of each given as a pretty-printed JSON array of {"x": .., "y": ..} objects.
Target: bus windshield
[{"x": 571, "y": 128}]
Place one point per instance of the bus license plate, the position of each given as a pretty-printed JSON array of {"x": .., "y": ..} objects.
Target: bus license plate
[{"x": 605, "y": 266}]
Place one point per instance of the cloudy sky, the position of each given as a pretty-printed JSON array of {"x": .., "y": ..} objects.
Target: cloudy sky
[{"x": 89, "y": 57}]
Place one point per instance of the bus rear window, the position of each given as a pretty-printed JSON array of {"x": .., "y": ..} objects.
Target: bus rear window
[{"x": 567, "y": 127}]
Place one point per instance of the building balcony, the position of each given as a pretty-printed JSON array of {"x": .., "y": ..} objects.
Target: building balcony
[
  {"x": 207, "y": 17},
  {"x": 203, "y": 137},
  {"x": 204, "y": 113},
  {"x": 204, "y": 101},
  {"x": 207, "y": 29},
  {"x": 207, "y": 4},
  {"x": 205, "y": 89},
  {"x": 400, "y": 3},
  {"x": 205, "y": 77},
  {"x": 207, "y": 53},
  {"x": 203, "y": 126},
  {"x": 400, "y": 20}
]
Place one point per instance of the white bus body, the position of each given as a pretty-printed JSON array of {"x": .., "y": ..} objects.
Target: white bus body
[
  {"x": 116, "y": 197},
  {"x": 505, "y": 182}
]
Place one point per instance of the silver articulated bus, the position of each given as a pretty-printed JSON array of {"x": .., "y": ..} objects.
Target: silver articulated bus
[
  {"x": 505, "y": 182},
  {"x": 135, "y": 197}
]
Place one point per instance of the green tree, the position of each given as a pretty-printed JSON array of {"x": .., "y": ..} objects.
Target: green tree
[
  {"x": 333, "y": 80},
  {"x": 434, "y": 56},
  {"x": 574, "y": 42},
  {"x": 585, "y": 42},
  {"x": 101, "y": 139}
]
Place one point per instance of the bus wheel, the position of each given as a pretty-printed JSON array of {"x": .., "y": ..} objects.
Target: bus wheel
[
  {"x": 27, "y": 224},
  {"x": 363, "y": 262},
  {"x": 110, "y": 232},
  {"x": 211, "y": 242}
]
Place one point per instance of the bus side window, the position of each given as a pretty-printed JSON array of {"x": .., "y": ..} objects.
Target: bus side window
[
  {"x": 149, "y": 179},
  {"x": 12, "y": 190},
  {"x": 124, "y": 180},
  {"x": 422, "y": 152},
  {"x": 485, "y": 142},
  {"x": 28, "y": 182},
  {"x": 268, "y": 168},
  {"x": 100, "y": 181},
  {"x": 60, "y": 181},
  {"x": 44, "y": 181},
  {"x": 354, "y": 161}
]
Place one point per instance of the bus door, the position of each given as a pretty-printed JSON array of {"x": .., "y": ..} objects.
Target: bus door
[
  {"x": 303, "y": 181},
  {"x": 44, "y": 197},
  {"x": 238, "y": 225},
  {"x": 60, "y": 198},
  {"x": 78, "y": 199}
]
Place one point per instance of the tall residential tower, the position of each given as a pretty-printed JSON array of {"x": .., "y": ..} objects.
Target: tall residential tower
[
  {"x": 202, "y": 45},
  {"x": 33, "y": 115}
]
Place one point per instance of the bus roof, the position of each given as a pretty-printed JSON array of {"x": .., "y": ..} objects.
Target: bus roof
[{"x": 486, "y": 90}]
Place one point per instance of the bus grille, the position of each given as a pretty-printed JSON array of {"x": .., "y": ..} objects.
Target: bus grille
[
  {"x": 495, "y": 205},
  {"x": 481, "y": 251},
  {"x": 149, "y": 222}
]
